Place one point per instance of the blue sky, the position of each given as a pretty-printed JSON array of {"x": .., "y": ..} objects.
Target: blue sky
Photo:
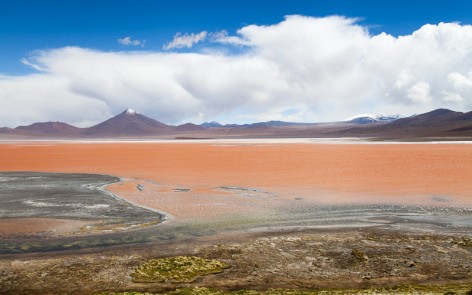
[
  {"x": 28, "y": 25},
  {"x": 232, "y": 61}
]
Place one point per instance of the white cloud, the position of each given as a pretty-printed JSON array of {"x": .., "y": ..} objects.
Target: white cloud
[
  {"x": 128, "y": 41},
  {"x": 451, "y": 97},
  {"x": 420, "y": 93},
  {"x": 36, "y": 98},
  {"x": 186, "y": 40},
  {"x": 218, "y": 35},
  {"x": 460, "y": 82},
  {"x": 26, "y": 62},
  {"x": 303, "y": 68}
]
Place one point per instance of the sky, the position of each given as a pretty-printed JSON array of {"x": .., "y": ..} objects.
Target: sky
[{"x": 81, "y": 62}]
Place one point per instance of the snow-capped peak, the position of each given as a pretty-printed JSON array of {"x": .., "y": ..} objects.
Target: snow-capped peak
[
  {"x": 389, "y": 117},
  {"x": 368, "y": 118},
  {"x": 131, "y": 112},
  {"x": 360, "y": 116}
]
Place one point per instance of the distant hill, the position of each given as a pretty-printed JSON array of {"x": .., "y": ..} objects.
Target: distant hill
[
  {"x": 189, "y": 127},
  {"x": 6, "y": 130},
  {"x": 48, "y": 128},
  {"x": 210, "y": 124},
  {"x": 267, "y": 124},
  {"x": 433, "y": 118},
  {"x": 128, "y": 123},
  {"x": 437, "y": 123}
]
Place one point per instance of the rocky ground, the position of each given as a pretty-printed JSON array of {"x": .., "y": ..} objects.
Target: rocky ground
[{"x": 299, "y": 260}]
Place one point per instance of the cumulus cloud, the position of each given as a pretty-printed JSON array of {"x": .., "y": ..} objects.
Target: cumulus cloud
[
  {"x": 186, "y": 40},
  {"x": 128, "y": 41},
  {"x": 302, "y": 69},
  {"x": 420, "y": 93}
]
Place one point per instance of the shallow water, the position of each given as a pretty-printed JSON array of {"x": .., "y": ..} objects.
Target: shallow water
[
  {"x": 61, "y": 195},
  {"x": 81, "y": 197},
  {"x": 66, "y": 196}
]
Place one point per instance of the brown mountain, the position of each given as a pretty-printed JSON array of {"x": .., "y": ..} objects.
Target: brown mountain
[
  {"x": 436, "y": 118},
  {"x": 437, "y": 123},
  {"x": 189, "y": 127},
  {"x": 128, "y": 123},
  {"x": 6, "y": 130},
  {"x": 47, "y": 129}
]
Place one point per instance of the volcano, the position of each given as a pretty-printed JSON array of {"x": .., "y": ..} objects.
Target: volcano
[{"x": 128, "y": 123}]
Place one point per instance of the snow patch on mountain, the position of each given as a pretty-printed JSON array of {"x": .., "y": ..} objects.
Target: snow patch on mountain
[{"x": 368, "y": 118}]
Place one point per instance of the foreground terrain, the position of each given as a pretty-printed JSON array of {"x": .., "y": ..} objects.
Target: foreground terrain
[{"x": 302, "y": 260}]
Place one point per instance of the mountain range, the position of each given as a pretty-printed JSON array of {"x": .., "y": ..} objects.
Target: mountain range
[{"x": 441, "y": 123}]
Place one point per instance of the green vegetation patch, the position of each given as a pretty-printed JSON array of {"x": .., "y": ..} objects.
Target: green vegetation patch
[{"x": 180, "y": 269}]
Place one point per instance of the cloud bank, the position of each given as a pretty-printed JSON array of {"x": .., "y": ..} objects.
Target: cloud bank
[{"x": 301, "y": 69}]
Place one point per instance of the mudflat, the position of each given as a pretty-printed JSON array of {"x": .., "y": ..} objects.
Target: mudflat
[
  {"x": 21, "y": 226},
  {"x": 53, "y": 204}
]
